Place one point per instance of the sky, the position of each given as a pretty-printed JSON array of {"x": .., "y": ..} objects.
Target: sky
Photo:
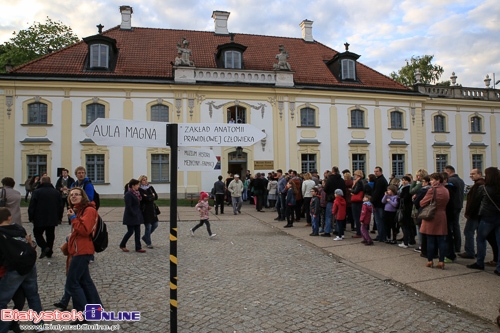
[{"x": 463, "y": 35}]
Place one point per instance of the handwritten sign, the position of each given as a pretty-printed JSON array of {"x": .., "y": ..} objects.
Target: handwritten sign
[
  {"x": 120, "y": 132},
  {"x": 196, "y": 159},
  {"x": 205, "y": 135}
]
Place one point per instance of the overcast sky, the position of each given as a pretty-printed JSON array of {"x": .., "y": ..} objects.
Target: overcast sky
[{"x": 463, "y": 35}]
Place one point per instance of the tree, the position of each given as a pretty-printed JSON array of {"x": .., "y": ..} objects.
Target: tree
[
  {"x": 36, "y": 41},
  {"x": 429, "y": 73}
]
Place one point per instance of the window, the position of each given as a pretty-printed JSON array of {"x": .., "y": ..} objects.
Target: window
[
  {"x": 396, "y": 120},
  {"x": 348, "y": 69},
  {"x": 358, "y": 118},
  {"x": 95, "y": 167},
  {"x": 232, "y": 59},
  {"x": 441, "y": 162},
  {"x": 236, "y": 114},
  {"x": 37, "y": 164},
  {"x": 37, "y": 113},
  {"x": 159, "y": 113},
  {"x": 359, "y": 162},
  {"x": 477, "y": 162},
  {"x": 160, "y": 168},
  {"x": 308, "y": 162},
  {"x": 398, "y": 165},
  {"x": 94, "y": 111},
  {"x": 307, "y": 117},
  {"x": 476, "y": 125},
  {"x": 99, "y": 56},
  {"x": 439, "y": 123}
]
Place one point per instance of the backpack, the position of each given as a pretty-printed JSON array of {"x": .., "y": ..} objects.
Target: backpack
[
  {"x": 18, "y": 253},
  {"x": 3, "y": 198},
  {"x": 97, "y": 199},
  {"x": 100, "y": 235}
]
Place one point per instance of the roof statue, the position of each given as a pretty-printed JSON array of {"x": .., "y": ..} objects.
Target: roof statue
[
  {"x": 282, "y": 57},
  {"x": 184, "y": 54}
]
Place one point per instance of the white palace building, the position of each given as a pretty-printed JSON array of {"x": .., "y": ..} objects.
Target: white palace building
[{"x": 317, "y": 106}]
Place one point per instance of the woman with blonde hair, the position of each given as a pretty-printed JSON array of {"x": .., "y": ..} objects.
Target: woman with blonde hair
[
  {"x": 357, "y": 193},
  {"x": 148, "y": 209},
  {"x": 307, "y": 185}
]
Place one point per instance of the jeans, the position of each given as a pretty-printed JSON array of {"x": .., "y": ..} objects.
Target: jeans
[
  {"x": 431, "y": 246},
  {"x": 328, "y": 218},
  {"x": 149, "y": 228},
  {"x": 10, "y": 283},
  {"x": 219, "y": 202},
  {"x": 378, "y": 217},
  {"x": 469, "y": 231},
  {"x": 455, "y": 229},
  {"x": 207, "y": 223},
  {"x": 132, "y": 229},
  {"x": 237, "y": 202},
  {"x": 281, "y": 205},
  {"x": 486, "y": 225},
  {"x": 315, "y": 223},
  {"x": 356, "y": 214},
  {"x": 340, "y": 227},
  {"x": 80, "y": 284}
]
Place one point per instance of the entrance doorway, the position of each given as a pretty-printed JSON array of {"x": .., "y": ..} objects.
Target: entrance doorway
[{"x": 237, "y": 162}]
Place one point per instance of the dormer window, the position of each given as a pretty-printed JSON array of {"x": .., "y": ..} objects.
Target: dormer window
[
  {"x": 102, "y": 53},
  {"x": 99, "y": 56},
  {"x": 348, "y": 69},
  {"x": 232, "y": 59},
  {"x": 230, "y": 55}
]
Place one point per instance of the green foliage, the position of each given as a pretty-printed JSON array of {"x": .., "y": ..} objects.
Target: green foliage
[
  {"x": 430, "y": 73},
  {"x": 38, "y": 40}
]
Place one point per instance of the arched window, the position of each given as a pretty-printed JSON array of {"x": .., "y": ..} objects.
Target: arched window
[
  {"x": 237, "y": 115},
  {"x": 357, "y": 118},
  {"x": 37, "y": 113},
  {"x": 232, "y": 59},
  {"x": 94, "y": 111},
  {"x": 99, "y": 56},
  {"x": 439, "y": 123},
  {"x": 476, "y": 125},
  {"x": 396, "y": 119},
  {"x": 159, "y": 113},
  {"x": 307, "y": 117}
]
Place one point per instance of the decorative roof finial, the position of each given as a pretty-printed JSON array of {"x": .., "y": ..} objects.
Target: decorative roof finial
[
  {"x": 231, "y": 35},
  {"x": 346, "y": 46},
  {"x": 99, "y": 28}
]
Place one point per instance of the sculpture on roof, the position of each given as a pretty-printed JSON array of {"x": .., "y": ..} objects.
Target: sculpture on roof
[
  {"x": 184, "y": 54},
  {"x": 282, "y": 57}
]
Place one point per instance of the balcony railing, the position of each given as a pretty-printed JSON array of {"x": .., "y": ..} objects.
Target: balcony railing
[{"x": 458, "y": 92}]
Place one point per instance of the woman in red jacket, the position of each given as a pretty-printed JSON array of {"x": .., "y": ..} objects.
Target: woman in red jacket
[{"x": 83, "y": 217}]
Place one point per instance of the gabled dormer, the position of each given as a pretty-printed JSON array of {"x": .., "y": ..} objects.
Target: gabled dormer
[
  {"x": 102, "y": 53},
  {"x": 343, "y": 65},
  {"x": 230, "y": 55}
]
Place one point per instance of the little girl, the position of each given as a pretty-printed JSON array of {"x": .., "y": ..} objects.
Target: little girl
[
  {"x": 366, "y": 216},
  {"x": 203, "y": 207},
  {"x": 390, "y": 200},
  {"x": 339, "y": 212}
]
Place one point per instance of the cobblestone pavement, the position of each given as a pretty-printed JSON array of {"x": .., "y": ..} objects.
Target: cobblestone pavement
[{"x": 252, "y": 277}]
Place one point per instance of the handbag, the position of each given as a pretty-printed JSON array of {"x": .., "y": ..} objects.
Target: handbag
[
  {"x": 429, "y": 211},
  {"x": 157, "y": 210},
  {"x": 358, "y": 197}
]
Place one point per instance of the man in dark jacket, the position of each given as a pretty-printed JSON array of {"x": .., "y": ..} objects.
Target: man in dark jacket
[
  {"x": 379, "y": 189},
  {"x": 219, "y": 191},
  {"x": 472, "y": 214},
  {"x": 63, "y": 184},
  {"x": 333, "y": 182},
  {"x": 458, "y": 204},
  {"x": 259, "y": 189},
  {"x": 45, "y": 213}
]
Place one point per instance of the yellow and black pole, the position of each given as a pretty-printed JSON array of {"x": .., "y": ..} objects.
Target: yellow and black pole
[{"x": 172, "y": 142}]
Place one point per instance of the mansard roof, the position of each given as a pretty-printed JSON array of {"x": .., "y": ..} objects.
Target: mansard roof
[{"x": 149, "y": 53}]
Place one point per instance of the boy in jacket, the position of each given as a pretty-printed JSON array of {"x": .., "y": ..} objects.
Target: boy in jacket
[{"x": 339, "y": 211}]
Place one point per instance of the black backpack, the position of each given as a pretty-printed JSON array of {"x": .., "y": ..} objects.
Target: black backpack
[
  {"x": 97, "y": 199},
  {"x": 100, "y": 235},
  {"x": 18, "y": 253}
]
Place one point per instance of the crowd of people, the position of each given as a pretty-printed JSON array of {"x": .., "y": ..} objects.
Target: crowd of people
[{"x": 394, "y": 208}]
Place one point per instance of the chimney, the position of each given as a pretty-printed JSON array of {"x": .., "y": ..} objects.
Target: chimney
[
  {"x": 220, "y": 20},
  {"x": 126, "y": 17},
  {"x": 307, "y": 32}
]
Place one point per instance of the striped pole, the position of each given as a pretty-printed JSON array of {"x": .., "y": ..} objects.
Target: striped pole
[{"x": 172, "y": 142}]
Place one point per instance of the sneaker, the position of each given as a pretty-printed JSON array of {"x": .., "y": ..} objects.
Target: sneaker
[
  {"x": 337, "y": 238},
  {"x": 342, "y": 236},
  {"x": 192, "y": 232},
  {"x": 150, "y": 246},
  {"x": 321, "y": 231},
  {"x": 450, "y": 261},
  {"x": 213, "y": 235},
  {"x": 403, "y": 245},
  {"x": 417, "y": 249}
]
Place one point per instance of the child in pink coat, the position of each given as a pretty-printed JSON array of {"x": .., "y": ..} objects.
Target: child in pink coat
[
  {"x": 203, "y": 207},
  {"x": 365, "y": 217}
]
